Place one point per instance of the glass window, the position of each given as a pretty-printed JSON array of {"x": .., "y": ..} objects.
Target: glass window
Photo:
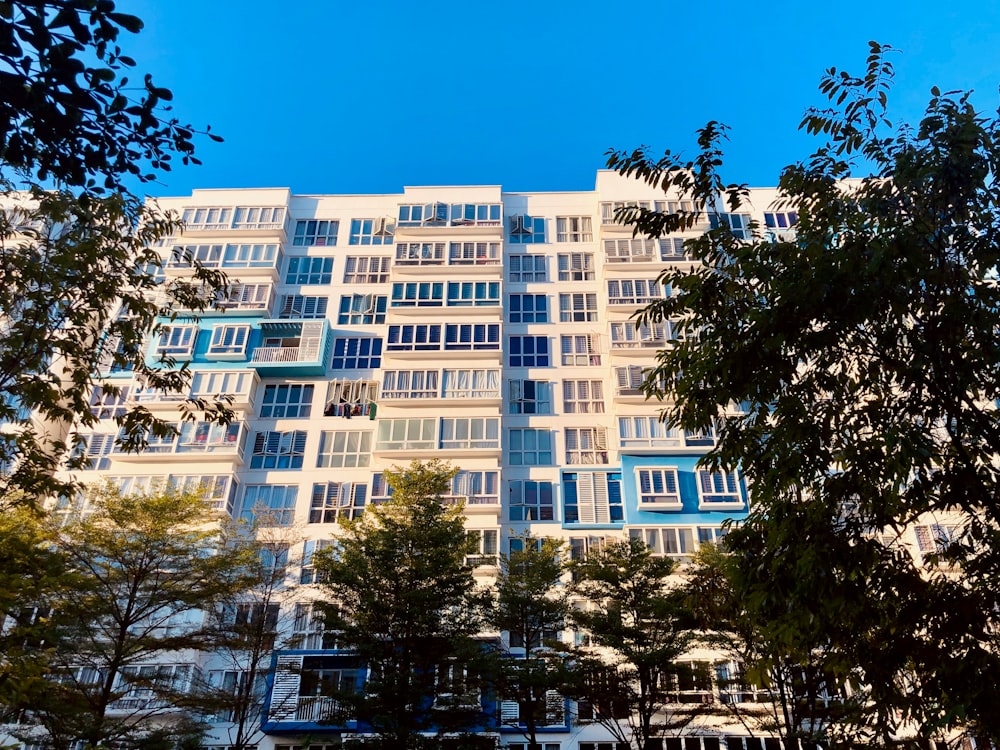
[
  {"x": 526, "y": 230},
  {"x": 528, "y": 308},
  {"x": 407, "y": 434},
  {"x": 414, "y": 338},
  {"x": 583, "y": 396},
  {"x": 592, "y": 497},
  {"x": 581, "y": 349},
  {"x": 634, "y": 291},
  {"x": 176, "y": 341},
  {"x": 629, "y": 335},
  {"x": 719, "y": 487},
  {"x": 409, "y": 384},
  {"x": 529, "y": 446},
  {"x": 528, "y": 351},
  {"x": 344, "y": 448},
  {"x": 274, "y": 503},
  {"x": 361, "y": 353},
  {"x": 630, "y": 250},
  {"x": 526, "y": 268},
  {"x": 371, "y": 232},
  {"x": 473, "y": 293},
  {"x": 364, "y": 269},
  {"x": 586, "y": 445},
  {"x": 332, "y": 501},
  {"x": 309, "y": 270},
  {"x": 471, "y": 384},
  {"x": 229, "y": 340},
  {"x": 362, "y": 309},
  {"x": 530, "y": 397},
  {"x": 578, "y": 308},
  {"x": 315, "y": 232},
  {"x": 418, "y": 294},
  {"x": 573, "y": 229},
  {"x": 531, "y": 501},
  {"x": 470, "y": 432},
  {"x": 247, "y": 297},
  {"x": 658, "y": 488},
  {"x": 293, "y": 400},
  {"x": 297, "y": 306},
  {"x": 420, "y": 253},
  {"x": 473, "y": 253},
  {"x": 471, "y": 336},
  {"x": 278, "y": 450}
]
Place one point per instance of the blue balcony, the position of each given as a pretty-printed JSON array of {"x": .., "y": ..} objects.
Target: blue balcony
[{"x": 292, "y": 347}]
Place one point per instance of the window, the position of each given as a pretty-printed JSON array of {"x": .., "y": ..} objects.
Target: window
[
  {"x": 259, "y": 217},
  {"x": 356, "y": 353},
  {"x": 528, "y": 351},
  {"x": 309, "y": 270},
  {"x": 247, "y": 297},
  {"x": 576, "y": 266},
  {"x": 206, "y": 436},
  {"x": 309, "y": 633},
  {"x": 672, "y": 249},
  {"x": 297, "y": 306},
  {"x": 474, "y": 253},
  {"x": 274, "y": 502},
  {"x": 343, "y": 448},
  {"x": 176, "y": 341},
  {"x": 634, "y": 291},
  {"x": 573, "y": 229},
  {"x": 97, "y": 448},
  {"x": 530, "y": 397},
  {"x": 362, "y": 309},
  {"x": 781, "y": 219},
  {"x": 418, "y": 294},
  {"x": 205, "y": 218},
  {"x": 278, "y": 450},
  {"x": 630, "y": 379},
  {"x": 229, "y": 340},
  {"x": 634, "y": 250},
  {"x": 577, "y": 308},
  {"x": 381, "y": 489},
  {"x": 350, "y": 398},
  {"x": 371, "y": 232},
  {"x": 531, "y": 501},
  {"x": 658, "y": 488},
  {"x": 586, "y": 445},
  {"x": 228, "y": 256},
  {"x": 419, "y": 253},
  {"x": 720, "y": 488},
  {"x": 219, "y": 490},
  {"x": 529, "y": 446},
  {"x": 443, "y": 214},
  {"x": 471, "y": 336},
  {"x": 671, "y": 541},
  {"x": 406, "y": 434},
  {"x": 629, "y": 335},
  {"x": 414, "y": 338},
  {"x": 936, "y": 538},
  {"x": 487, "y": 545},
  {"x": 609, "y": 209},
  {"x": 738, "y": 224},
  {"x": 580, "y": 350},
  {"x": 410, "y": 384},
  {"x": 647, "y": 431},
  {"x": 526, "y": 268},
  {"x": 473, "y": 293},
  {"x": 476, "y": 487},
  {"x": 470, "y": 432},
  {"x": 592, "y": 497},
  {"x": 471, "y": 384},
  {"x": 286, "y": 401},
  {"x": 332, "y": 501},
  {"x": 366, "y": 269},
  {"x": 315, "y": 232},
  {"x": 528, "y": 308},
  {"x": 106, "y": 404},
  {"x": 526, "y": 230},
  {"x": 583, "y": 396}
]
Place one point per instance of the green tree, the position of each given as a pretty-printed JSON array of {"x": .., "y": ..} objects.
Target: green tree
[
  {"x": 637, "y": 616},
  {"x": 403, "y": 599},
  {"x": 865, "y": 357},
  {"x": 145, "y": 572},
  {"x": 531, "y": 604},
  {"x": 80, "y": 288}
]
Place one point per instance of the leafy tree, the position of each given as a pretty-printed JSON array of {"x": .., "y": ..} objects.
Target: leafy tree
[
  {"x": 402, "y": 598},
  {"x": 145, "y": 571},
  {"x": 639, "y": 619},
  {"x": 80, "y": 291},
  {"x": 531, "y": 604},
  {"x": 865, "y": 357}
]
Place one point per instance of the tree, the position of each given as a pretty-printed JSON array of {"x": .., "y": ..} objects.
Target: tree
[
  {"x": 145, "y": 570},
  {"x": 402, "y": 598},
  {"x": 637, "y": 618},
  {"x": 80, "y": 283},
  {"x": 865, "y": 358},
  {"x": 531, "y": 604}
]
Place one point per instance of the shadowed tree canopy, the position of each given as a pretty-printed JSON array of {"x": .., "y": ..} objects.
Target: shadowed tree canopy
[{"x": 865, "y": 359}]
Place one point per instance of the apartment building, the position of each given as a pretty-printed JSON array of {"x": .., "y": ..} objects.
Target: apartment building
[{"x": 489, "y": 328}]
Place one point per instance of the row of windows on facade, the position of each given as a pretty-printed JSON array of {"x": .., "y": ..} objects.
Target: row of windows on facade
[{"x": 373, "y": 269}]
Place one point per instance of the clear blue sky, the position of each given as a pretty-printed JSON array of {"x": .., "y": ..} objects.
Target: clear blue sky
[{"x": 365, "y": 96}]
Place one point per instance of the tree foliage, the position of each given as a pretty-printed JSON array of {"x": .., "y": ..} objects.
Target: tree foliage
[
  {"x": 639, "y": 620},
  {"x": 864, "y": 357},
  {"x": 531, "y": 603},
  {"x": 139, "y": 576},
  {"x": 81, "y": 289},
  {"x": 402, "y": 597}
]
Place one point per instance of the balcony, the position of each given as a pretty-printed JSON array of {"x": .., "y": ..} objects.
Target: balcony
[
  {"x": 292, "y": 347},
  {"x": 256, "y": 260},
  {"x": 193, "y": 441},
  {"x": 457, "y": 218},
  {"x": 292, "y": 704},
  {"x": 209, "y": 385},
  {"x": 261, "y": 220}
]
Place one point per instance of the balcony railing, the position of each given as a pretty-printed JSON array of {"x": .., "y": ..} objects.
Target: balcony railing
[{"x": 268, "y": 354}]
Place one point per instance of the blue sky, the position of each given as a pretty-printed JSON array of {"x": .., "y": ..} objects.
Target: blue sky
[{"x": 329, "y": 96}]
